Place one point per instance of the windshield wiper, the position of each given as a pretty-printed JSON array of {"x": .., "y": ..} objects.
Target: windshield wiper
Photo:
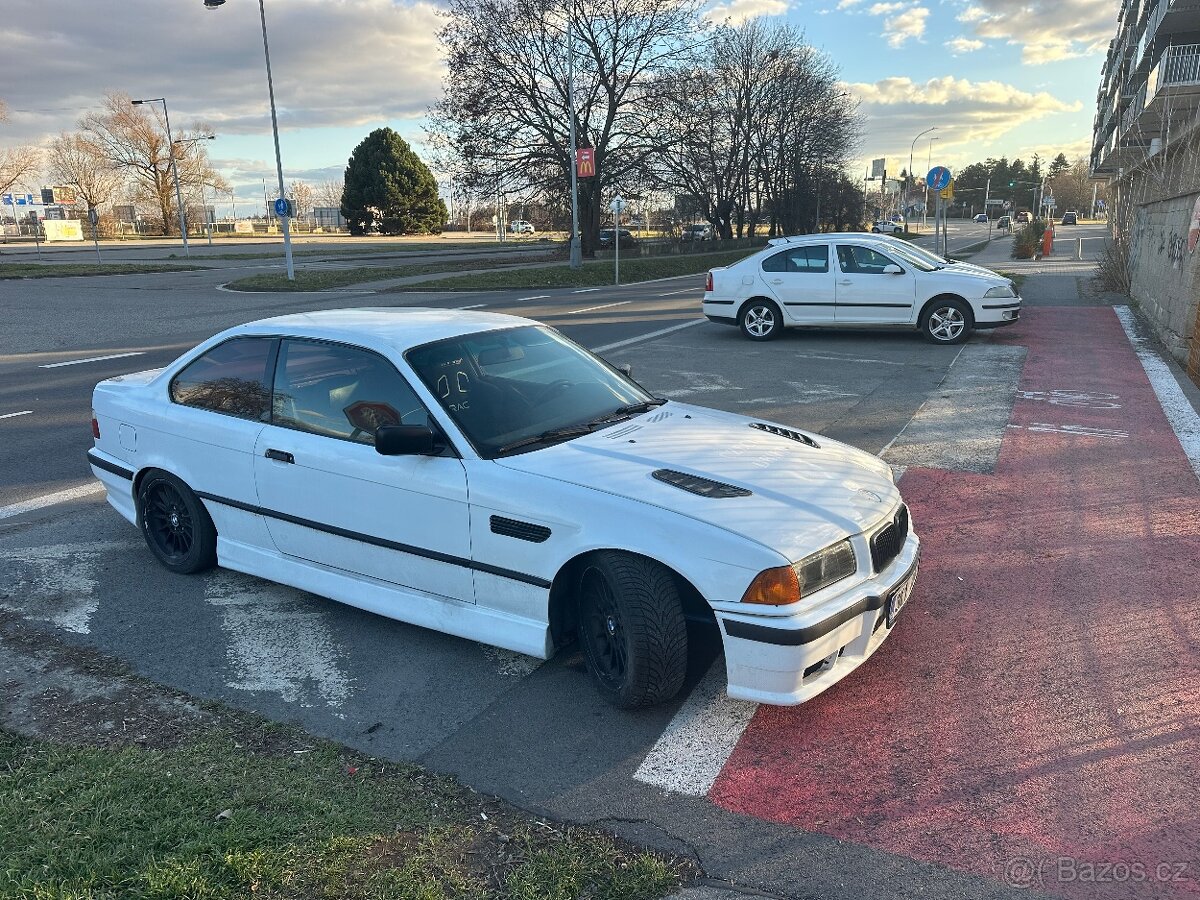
[
  {"x": 629, "y": 409},
  {"x": 548, "y": 437}
]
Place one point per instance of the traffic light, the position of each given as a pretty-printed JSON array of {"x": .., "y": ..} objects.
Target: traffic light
[{"x": 1012, "y": 184}]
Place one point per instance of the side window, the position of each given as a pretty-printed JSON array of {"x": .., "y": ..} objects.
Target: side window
[
  {"x": 776, "y": 263},
  {"x": 231, "y": 378},
  {"x": 341, "y": 392},
  {"x": 862, "y": 259},
  {"x": 809, "y": 259}
]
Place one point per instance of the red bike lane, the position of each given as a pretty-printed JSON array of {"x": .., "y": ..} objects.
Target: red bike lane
[{"x": 1036, "y": 715}]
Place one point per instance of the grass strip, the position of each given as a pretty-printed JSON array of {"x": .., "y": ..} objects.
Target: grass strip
[
  {"x": 377, "y": 249},
  {"x": 329, "y": 279},
  {"x": 87, "y": 270},
  {"x": 592, "y": 274},
  {"x": 273, "y": 813}
]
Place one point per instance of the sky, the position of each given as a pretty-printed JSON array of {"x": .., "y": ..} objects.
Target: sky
[{"x": 993, "y": 77}]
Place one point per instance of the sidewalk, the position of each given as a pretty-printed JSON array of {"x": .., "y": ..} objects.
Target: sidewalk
[{"x": 1057, "y": 280}]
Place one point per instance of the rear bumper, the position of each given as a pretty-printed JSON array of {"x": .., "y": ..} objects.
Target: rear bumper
[
  {"x": 117, "y": 479},
  {"x": 721, "y": 320},
  {"x": 786, "y": 661}
]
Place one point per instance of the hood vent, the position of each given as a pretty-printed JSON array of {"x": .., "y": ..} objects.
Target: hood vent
[
  {"x": 621, "y": 432},
  {"x": 522, "y": 531},
  {"x": 703, "y": 487},
  {"x": 787, "y": 433}
]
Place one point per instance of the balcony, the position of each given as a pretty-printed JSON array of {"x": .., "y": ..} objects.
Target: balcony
[{"x": 1177, "y": 73}]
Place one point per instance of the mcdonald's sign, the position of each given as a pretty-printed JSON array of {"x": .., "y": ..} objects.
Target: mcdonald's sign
[{"x": 585, "y": 162}]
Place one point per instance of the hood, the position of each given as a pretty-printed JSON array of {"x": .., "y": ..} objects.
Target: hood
[
  {"x": 966, "y": 268},
  {"x": 801, "y": 499}
]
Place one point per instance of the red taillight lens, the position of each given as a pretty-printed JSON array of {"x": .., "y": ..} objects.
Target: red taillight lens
[
  {"x": 95, "y": 427},
  {"x": 708, "y": 282}
]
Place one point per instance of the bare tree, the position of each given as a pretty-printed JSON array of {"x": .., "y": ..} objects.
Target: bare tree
[
  {"x": 16, "y": 163},
  {"x": 302, "y": 198},
  {"x": 74, "y": 160},
  {"x": 329, "y": 193},
  {"x": 506, "y": 112},
  {"x": 134, "y": 140}
]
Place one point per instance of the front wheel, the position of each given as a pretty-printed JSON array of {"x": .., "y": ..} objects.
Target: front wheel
[
  {"x": 632, "y": 630},
  {"x": 760, "y": 320},
  {"x": 947, "y": 321},
  {"x": 175, "y": 524}
]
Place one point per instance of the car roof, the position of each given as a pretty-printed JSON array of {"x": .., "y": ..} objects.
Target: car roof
[{"x": 401, "y": 329}]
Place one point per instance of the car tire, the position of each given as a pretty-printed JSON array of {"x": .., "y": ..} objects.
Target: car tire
[
  {"x": 632, "y": 629},
  {"x": 760, "y": 320},
  {"x": 177, "y": 528},
  {"x": 875, "y": 231},
  {"x": 947, "y": 320}
]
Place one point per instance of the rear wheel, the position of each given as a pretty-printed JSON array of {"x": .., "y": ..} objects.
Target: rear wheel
[
  {"x": 760, "y": 320},
  {"x": 632, "y": 630},
  {"x": 175, "y": 524},
  {"x": 947, "y": 321}
]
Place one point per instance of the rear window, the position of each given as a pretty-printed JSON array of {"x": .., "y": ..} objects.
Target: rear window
[{"x": 233, "y": 378}]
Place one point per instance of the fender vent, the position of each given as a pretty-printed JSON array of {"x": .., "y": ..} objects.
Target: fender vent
[
  {"x": 694, "y": 484},
  {"x": 787, "y": 433},
  {"x": 522, "y": 531}
]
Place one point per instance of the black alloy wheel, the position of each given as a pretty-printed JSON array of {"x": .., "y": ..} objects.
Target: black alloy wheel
[{"x": 175, "y": 524}]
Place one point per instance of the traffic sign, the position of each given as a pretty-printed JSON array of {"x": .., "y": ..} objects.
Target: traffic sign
[
  {"x": 938, "y": 177},
  {"x": 283, "y": 207},
  {"x": 618, "y": 204},
  {"x": 947, "y": 193},
  {"x": 93, "y": 216}
]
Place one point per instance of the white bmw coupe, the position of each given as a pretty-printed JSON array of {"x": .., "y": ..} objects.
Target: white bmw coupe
[{"x": 482, "y": 475}]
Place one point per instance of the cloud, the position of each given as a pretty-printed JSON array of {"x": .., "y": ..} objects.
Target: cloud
[
  {"x": 907, "y": 25},
  {"x": 966, "y": 113},
  {"x": 1046, "y": 30},
  {"x": 961, "y": 45},
  {"x": 883, "y": 9},
  {"x": 349, "y": 63},
  {"x": 738, "y": 11},
  {"x": 846, "y": 4}
]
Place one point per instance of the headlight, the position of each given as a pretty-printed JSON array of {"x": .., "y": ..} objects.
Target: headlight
[
  {"x": 787, "y": 584},
  {"x": 1005, "y": 290}
]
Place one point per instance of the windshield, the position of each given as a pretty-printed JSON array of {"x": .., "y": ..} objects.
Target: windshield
[
  {"x": 918, "y": 259},
  {"x": 524, "y": 387}
]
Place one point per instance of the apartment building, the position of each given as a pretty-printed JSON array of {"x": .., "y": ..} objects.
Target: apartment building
[{"x": 1146, "y": 145}]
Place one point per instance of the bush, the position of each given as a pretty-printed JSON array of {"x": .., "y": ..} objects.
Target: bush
[{"x": 1025, "y": 242}]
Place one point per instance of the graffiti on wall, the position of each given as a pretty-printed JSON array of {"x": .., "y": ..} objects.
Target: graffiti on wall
[{"x": 1194, "y": 230}]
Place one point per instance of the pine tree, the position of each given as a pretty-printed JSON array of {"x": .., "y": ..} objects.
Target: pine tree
[{"x": 390, "y": 188}]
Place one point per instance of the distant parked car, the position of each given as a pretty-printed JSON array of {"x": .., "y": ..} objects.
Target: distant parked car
[
  {"x": 1004, "y": 223},
  {"x": 697, "y": 232},
  {"x": 627, "y": 238},
  {"x": 982, "y": 218},
  {"x": 521, "y": 227},
  {"x": 883, "y": 226},
  {"x": 1021, "y": 218},
  {"x": 1070, "y": 217}
]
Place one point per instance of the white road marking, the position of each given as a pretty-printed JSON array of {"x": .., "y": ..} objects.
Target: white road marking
[
  {"x": 1183, "y": 418},
  {"x": 277, "y": 641},
  {"x": 534, "y": 297},
  {"x": 1078, "y": 399},
  {"x": 701, "y": 383},
  {"x": 690, "y": 290},
  {"x": 573, "y": 312},
  {"x": 696, "y": 744},
  {"x": 91, "y": 359},
  {"x": 472, "y": 306},
  {"x": 1078, "y": 430},
  {"x": 75, "y": 493},
  {"x": 56, "y": 584},
  {"x": 24, "y": 412},
  {"x": 648, "y": 337},
  {"x": 850, "y": 359},
  {"x": 585, "y": 291}
]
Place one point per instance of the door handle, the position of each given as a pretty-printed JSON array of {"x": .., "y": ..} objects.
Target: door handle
[
  {"x": 845, "y": 281},
  {"x": 776, "y": 281},
  {"x": 280, "y": 455}
]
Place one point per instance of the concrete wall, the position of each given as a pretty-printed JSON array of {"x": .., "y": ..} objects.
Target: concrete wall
[{"x": 1165, "y": 276}]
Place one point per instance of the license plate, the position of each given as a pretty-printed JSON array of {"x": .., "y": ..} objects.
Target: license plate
[{"x": 898, "y": 597}]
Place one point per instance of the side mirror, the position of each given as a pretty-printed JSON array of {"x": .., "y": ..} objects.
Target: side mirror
[
  {"x": 892, "y": 269},
  {"x": 405, "y": 440}
]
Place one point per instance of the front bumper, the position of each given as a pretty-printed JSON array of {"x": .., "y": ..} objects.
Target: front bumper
[
  {"x": 784, "y": 661},
  {"x": 997, "y": 312}
]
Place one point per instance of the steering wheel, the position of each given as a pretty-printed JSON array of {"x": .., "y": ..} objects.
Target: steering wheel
[{"x": 554, "y": 387}]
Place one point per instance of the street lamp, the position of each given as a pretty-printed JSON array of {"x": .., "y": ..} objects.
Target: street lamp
[
  {"x": 203, "y": 137},
  {"x": 928, "y": 165},
  {"x": 286, "y": 217},
  {"x": 174, "y": 168},
  {"x": 911, "y": 147},
  {"x": 576, "y": 250}
]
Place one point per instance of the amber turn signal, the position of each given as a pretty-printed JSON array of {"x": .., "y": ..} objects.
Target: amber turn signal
[{"x": 774, "y": 587}]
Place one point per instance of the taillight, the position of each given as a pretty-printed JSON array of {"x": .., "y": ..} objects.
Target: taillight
[
  {"x": 95, "y": 426},
  {"x": 708, "y": 282}
]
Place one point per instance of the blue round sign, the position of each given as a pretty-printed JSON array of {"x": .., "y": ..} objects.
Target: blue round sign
[
  {"x": 938, "y": 177},
  {"x": 281, "y": 207}
]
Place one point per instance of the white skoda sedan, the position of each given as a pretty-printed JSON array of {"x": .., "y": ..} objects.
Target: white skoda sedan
[
  {"x": 482, "y": 475},
  {"x": 857, "y": 279}
]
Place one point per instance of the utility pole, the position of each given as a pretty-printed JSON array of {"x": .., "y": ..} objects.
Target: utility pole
[
  {"x": 576, "y": 250},
  {"x": 987, "y": 195}
]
